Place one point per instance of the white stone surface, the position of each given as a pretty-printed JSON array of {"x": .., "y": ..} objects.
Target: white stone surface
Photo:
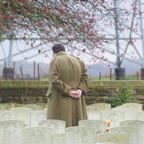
[
  {"x": 45, "y": 109},
  {"x": 101, "y": 106},
  {"x": 22, "y": 113},
  {"x": 130, "y": 110},
  {"x": 93, "y": 113},
  {"x": 140, "y": 115},
  {"x": 87, "y": 134},
  {"x": 106, "y": 143},
  {"x": 37, "y": 116},
  {"x": 57, "y": 126},
  {"x": 7, "y": 106},
  {"x": 34, "y": 107},
  {"x": 11, "y": 132},
  {"x": 37, "y": 135},
  {"x": 7, "y": 115},
  {"x": 136, "y": 124},
  {"x": 94, "y": 110},
  {"x": 113, "y": 137},
  {"x": 131, "y": 131},
  {"x": 66, "y": 138},
  {"x": 115, "y": 116},
  {"x": 97, "y": 124}
]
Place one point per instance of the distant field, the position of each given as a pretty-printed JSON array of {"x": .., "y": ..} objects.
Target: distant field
[
  {"x": 106, "y": 78},
  {"x": 44, "y": 79}
]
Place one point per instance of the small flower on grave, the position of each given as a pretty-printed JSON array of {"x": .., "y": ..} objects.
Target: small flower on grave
[
  {"x": 109, "y": 122},
  {"x": 107, "y": 129}
]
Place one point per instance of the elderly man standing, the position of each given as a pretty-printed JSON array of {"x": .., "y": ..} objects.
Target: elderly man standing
[{"x": 68, "y": 83}]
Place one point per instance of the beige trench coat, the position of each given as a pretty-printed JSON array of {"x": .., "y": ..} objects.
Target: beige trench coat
[{"x": 67, "y": 73}]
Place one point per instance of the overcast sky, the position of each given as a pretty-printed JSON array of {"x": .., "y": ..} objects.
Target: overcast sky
[{"x": 19, "y": 46}]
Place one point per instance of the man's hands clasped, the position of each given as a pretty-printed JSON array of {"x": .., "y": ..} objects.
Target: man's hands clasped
[{"x": 75, "y": 94}]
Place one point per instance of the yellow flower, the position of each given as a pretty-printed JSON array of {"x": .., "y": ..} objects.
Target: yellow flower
[{"x": 109, "y": 121}]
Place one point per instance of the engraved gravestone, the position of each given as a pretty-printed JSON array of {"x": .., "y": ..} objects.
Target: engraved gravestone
[
  {"x": 87, "y": 134},
  {"x": 140, "y": 115},
  {"x": 57, "y": 126},
  {"x": 106, "y": 143},
  {"x": 11, "y": 132},
  {"x": 94, "y": 110},
  {"x": 115, "y": 116},
  {"x": 22, "y": 114},
  {"x": 66, "y": 138},
  {"x": 101, "y": 106},
  {"x": 45, "y": 109},
  {"x": 33, "y": 107},
  {"x": 37, "y": 116},
  {"x": 131, "y": 131},
  {"x": 37, "y": 135},
  {"x": 93, "y": 113},
  {"x": 113, "y": 137},
  {"x": 97, "y": 124},
  {"x": 7, "y": 115},
  {"x": 130, "y": 110},
  {"x": 136, "y": 124}
]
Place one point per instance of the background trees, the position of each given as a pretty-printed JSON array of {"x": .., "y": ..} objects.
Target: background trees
[{"x": 82, "y": 26}]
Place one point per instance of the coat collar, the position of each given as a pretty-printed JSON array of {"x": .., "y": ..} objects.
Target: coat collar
[{"x": 61, "y": 53}]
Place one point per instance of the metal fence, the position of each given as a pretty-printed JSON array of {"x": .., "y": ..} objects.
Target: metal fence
[{"x": 37, "y": 71}]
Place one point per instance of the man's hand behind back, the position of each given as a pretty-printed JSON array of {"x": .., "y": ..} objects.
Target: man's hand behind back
[{"x": 75, "y": 94}]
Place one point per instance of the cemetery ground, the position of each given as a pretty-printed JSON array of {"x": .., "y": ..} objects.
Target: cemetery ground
[
  {"x": 28, "y": 124},
  {"x": 24, "y": 120}
]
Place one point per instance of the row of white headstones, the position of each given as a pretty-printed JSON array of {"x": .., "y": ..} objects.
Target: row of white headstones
[{"x": 29, "y": 125}]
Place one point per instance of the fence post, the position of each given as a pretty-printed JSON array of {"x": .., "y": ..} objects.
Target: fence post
[
  {"x": 115, "y": 77},
  {"x": 34, "y": 70},
  {"x": 38, "y": 72},
  {"x": 100, "y": 76},
  {"x": 5, "y": 71},
  {"x": 21, "y": 73},
  {"x": 110, "y": 74},
  {"x": 137, "y": 76},
  {"x": 13, "y": 70}
]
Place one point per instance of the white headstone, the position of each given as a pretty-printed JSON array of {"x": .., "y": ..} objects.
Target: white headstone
[
  {"x": 57, "y": 126},
  {"x": 115, "y": 116},
  {"x": 97, "y": 124},
  {"x": 106, "y": 143},
  {"x": 7, "y": 106},
  {"x": 140, "y": 115},
  {"x": 136, "y": 124},
  {"x": 131, "y": 131},
  {"x": 94, "y": 110},
  {"x": 22, "y": 113},
  {"x": 45, "y": 109},
  {"x": 101, "y": 106},
  {"x": 130, "y": 110},
  {"x": 7, "y": 115},
  {"x": 11, "y": 132},
  {"x": 66, "y": 138},
  {"x": 37, "y": 116},
  {"x": 87, "y": 134},
  {"x": 113, "y": 137},
  {"x": 34, "y": 107},
  {"x": 37, "y": 135},
  {"x": 93, "y": 113}
]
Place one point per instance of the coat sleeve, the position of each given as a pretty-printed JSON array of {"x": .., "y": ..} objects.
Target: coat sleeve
[
  {"x": 56, "y": 82},
  {"x": 84, "y": 83}
]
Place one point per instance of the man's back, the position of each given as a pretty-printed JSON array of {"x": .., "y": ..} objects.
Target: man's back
[
  {"x": 66, "y": 74},
  {"x": 69, "y": 69}
]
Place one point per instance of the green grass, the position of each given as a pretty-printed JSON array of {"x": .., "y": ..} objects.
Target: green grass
[
  {"x": 104, "y": 78},
  {"x": 44, "y": 79}
]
